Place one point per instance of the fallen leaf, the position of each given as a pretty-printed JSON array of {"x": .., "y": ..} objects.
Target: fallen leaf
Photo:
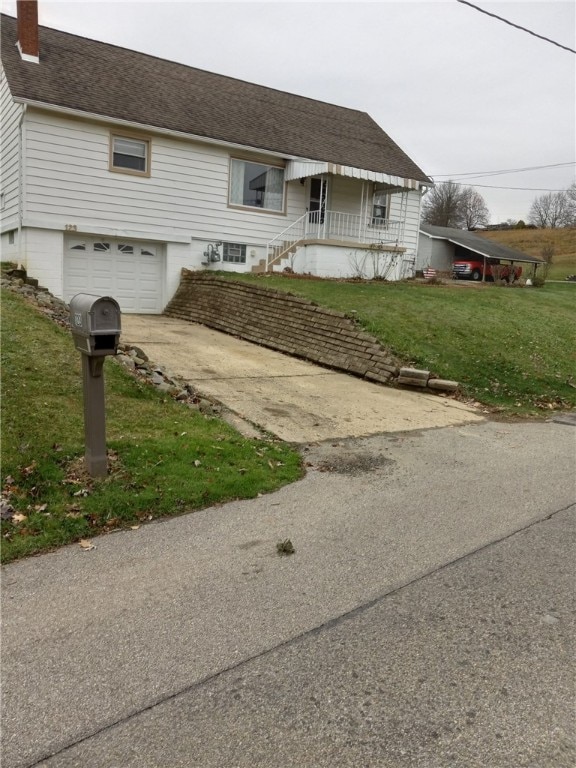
[
  {"x": 19, "y": 518},
  {"x": 197, "y": 462},
  {"x": 86, "y": 545},
  {"x": 285, "y": 547},
  {"x": 40, "y": 507},
  {"x": 82, "y": 492},
  {"x": 134, "y": 527}
]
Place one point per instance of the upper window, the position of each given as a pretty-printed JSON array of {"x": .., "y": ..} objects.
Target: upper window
[
  {"x": 130, "y": 155},
  {"x": 256, "y": 186}
]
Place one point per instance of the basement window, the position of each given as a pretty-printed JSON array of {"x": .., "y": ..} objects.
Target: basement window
[
  {"x": 130, "y": 155},
  {"x": 234, "y": 253}
]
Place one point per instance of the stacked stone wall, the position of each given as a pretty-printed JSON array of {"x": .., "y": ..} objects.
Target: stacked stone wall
[{"x": 283, "y": 322}]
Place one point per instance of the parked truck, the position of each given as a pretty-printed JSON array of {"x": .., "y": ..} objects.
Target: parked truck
[{"x": 473, "y": 269}]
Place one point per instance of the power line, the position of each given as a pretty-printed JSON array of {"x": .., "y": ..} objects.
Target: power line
[
  {"x": 517, "y": 26},
  {"x": 488, "y": 186},
  {"x": 481, "y": 174}
]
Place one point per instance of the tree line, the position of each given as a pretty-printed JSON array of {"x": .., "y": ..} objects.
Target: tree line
[{"x": 450, "y": 204}]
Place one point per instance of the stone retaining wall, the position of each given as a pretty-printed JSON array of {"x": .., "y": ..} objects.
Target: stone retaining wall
[{"x": 283, "y": 322}]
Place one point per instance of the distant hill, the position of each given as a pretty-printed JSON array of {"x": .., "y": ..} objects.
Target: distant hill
[{"x": 533, "y": 241}]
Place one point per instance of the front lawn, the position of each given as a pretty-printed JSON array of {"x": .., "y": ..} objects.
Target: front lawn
[
  {"x": 513, "y": 349},
  {"x": 165, "y": 458}
]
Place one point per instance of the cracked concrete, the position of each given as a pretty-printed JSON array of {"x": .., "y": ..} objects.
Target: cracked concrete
[{"x": 293, "y": 399}]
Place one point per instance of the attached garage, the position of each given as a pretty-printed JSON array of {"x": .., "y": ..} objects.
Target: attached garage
[{"x": 131, "y": 272}]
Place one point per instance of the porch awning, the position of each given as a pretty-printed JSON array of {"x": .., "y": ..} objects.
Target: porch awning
[{"x": 302, "y": 169}]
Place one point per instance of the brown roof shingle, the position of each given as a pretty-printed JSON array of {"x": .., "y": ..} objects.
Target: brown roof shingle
[{"x": 99, "y": 78}]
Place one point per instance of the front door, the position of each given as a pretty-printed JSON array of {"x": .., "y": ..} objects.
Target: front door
[{"x": 317, "y": 202}]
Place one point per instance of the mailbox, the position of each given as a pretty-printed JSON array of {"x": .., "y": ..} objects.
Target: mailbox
[{"x": 95, "y": 324}]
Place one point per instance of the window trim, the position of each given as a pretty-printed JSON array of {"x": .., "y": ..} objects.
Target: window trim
[
  {"x": 256, "y": 208},
  {"x": 146, "y": 140}
]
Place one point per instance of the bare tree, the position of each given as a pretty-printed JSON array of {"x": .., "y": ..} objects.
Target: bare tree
[
  {"x": 473, "y": 209},
  {"x": 451, "y": 205},
  {"x": 554, "y": 209},
  {"x": 441, "y": 205}
]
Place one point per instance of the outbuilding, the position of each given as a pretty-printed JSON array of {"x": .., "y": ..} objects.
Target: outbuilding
[{"x": 440, "y": 248}]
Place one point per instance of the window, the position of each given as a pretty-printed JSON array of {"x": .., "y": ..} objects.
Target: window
[
  {"x": 256, "y": 186},
  {"x": 379, "y": 209},
  {"x": 11, "y": 237},
  {"x": 125, "y": 248},
  {"x": 130, "y": 155},
  {"x": 234, "y": 253},
  {"x": 102, "y": 247}
]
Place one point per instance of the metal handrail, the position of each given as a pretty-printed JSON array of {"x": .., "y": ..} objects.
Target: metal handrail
[{"x": 334, "y": 225}]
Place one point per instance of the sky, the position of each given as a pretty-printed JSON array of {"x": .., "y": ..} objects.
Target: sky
[{"x": 460, "y": 92}]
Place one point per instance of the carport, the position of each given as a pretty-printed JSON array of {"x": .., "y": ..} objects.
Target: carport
[{"x": 440, "y": 247}]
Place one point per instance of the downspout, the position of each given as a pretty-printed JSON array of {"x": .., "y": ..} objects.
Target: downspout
[{"x": 21, "y": 184}]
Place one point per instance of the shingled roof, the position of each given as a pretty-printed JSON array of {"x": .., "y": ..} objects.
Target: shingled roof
[
  {"x": 478, "y": 244},
  {"x": 98, "y": 78}
]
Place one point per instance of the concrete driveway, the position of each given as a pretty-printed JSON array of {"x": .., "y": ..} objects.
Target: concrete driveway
[{"x": 293, "y": 399}]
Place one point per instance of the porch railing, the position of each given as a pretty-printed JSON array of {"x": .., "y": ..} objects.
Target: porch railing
[{"x": 334, "y": 225}]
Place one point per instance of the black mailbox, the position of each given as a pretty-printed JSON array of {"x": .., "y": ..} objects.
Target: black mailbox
[{"x": 95, "y": 324}]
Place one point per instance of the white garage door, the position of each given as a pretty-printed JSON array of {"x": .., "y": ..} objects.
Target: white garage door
[{"x": 129, "y": 271}]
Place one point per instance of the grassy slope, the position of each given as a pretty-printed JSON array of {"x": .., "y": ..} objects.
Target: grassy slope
[
  {"x": 532, "y": 241},
  {"x": 510, "y": 348},
  {"x": 156, "y": 445}
]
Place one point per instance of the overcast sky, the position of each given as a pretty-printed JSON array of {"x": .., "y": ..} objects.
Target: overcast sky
[{"x": 459, "y": 91}]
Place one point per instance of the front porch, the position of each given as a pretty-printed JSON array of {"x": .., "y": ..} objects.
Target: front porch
[
  {"x": 335, "y": 228},
  {"x": 356, "y": 223}
]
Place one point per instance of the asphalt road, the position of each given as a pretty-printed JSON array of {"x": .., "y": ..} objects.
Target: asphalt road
[{"x": 425, "y": 619}]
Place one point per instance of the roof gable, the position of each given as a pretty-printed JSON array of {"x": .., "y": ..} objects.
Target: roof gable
[{"x": 98, "y": 78}]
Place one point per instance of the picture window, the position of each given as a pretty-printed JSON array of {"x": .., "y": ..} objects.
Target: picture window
[{"x": 256, "y": 186}]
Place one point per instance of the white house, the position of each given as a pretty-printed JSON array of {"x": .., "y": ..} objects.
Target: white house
[{"x": 119, "y": 168}]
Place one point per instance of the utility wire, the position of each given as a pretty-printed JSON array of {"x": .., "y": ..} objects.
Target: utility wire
[
  {"x": 517, "y": 26},
  {"x": 488, "y": 186},
  {"x": 481, "y": 174}
]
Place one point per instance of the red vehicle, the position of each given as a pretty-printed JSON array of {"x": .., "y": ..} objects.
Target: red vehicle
[{"x": 472, "y": 269}]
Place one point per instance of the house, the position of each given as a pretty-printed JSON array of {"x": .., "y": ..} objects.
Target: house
[
  {"x": 440, "y": 247},
  {"x": 120, "y": 168}
]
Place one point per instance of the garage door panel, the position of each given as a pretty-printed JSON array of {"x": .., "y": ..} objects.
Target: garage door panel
[{"x": 129, "y": 272}]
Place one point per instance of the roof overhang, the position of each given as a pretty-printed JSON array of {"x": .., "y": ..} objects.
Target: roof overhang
[{"x": 303, "y": 169}]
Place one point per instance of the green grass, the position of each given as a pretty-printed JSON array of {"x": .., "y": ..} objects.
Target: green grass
[
  {"x": 166, "y": 459},
  {"x": 513, "y": 349}
]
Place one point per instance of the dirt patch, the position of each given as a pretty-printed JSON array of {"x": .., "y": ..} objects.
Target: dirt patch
[{"x": 353, "y": 463}]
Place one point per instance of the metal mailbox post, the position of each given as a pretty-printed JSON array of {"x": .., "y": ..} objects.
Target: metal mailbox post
[{"x": 95, "y": 324}]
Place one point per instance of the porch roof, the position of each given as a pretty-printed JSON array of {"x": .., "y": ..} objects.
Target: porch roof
[{"x": 303, "y": 169}]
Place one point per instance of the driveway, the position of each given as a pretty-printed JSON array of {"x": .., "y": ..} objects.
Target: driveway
[{"x": 296, "y": 400}]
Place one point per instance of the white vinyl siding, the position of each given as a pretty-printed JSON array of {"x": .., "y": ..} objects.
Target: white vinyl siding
[
  {"x": 411, "y": 215},
  {"x": 9, "y": 168},
  {"x": 69, "y": 183}
]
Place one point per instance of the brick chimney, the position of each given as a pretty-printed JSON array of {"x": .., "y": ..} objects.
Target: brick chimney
[{"x": 27, "y": 12}]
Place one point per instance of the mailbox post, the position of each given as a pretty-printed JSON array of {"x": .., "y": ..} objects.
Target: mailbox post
[{"x": 95, "y": 323}]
